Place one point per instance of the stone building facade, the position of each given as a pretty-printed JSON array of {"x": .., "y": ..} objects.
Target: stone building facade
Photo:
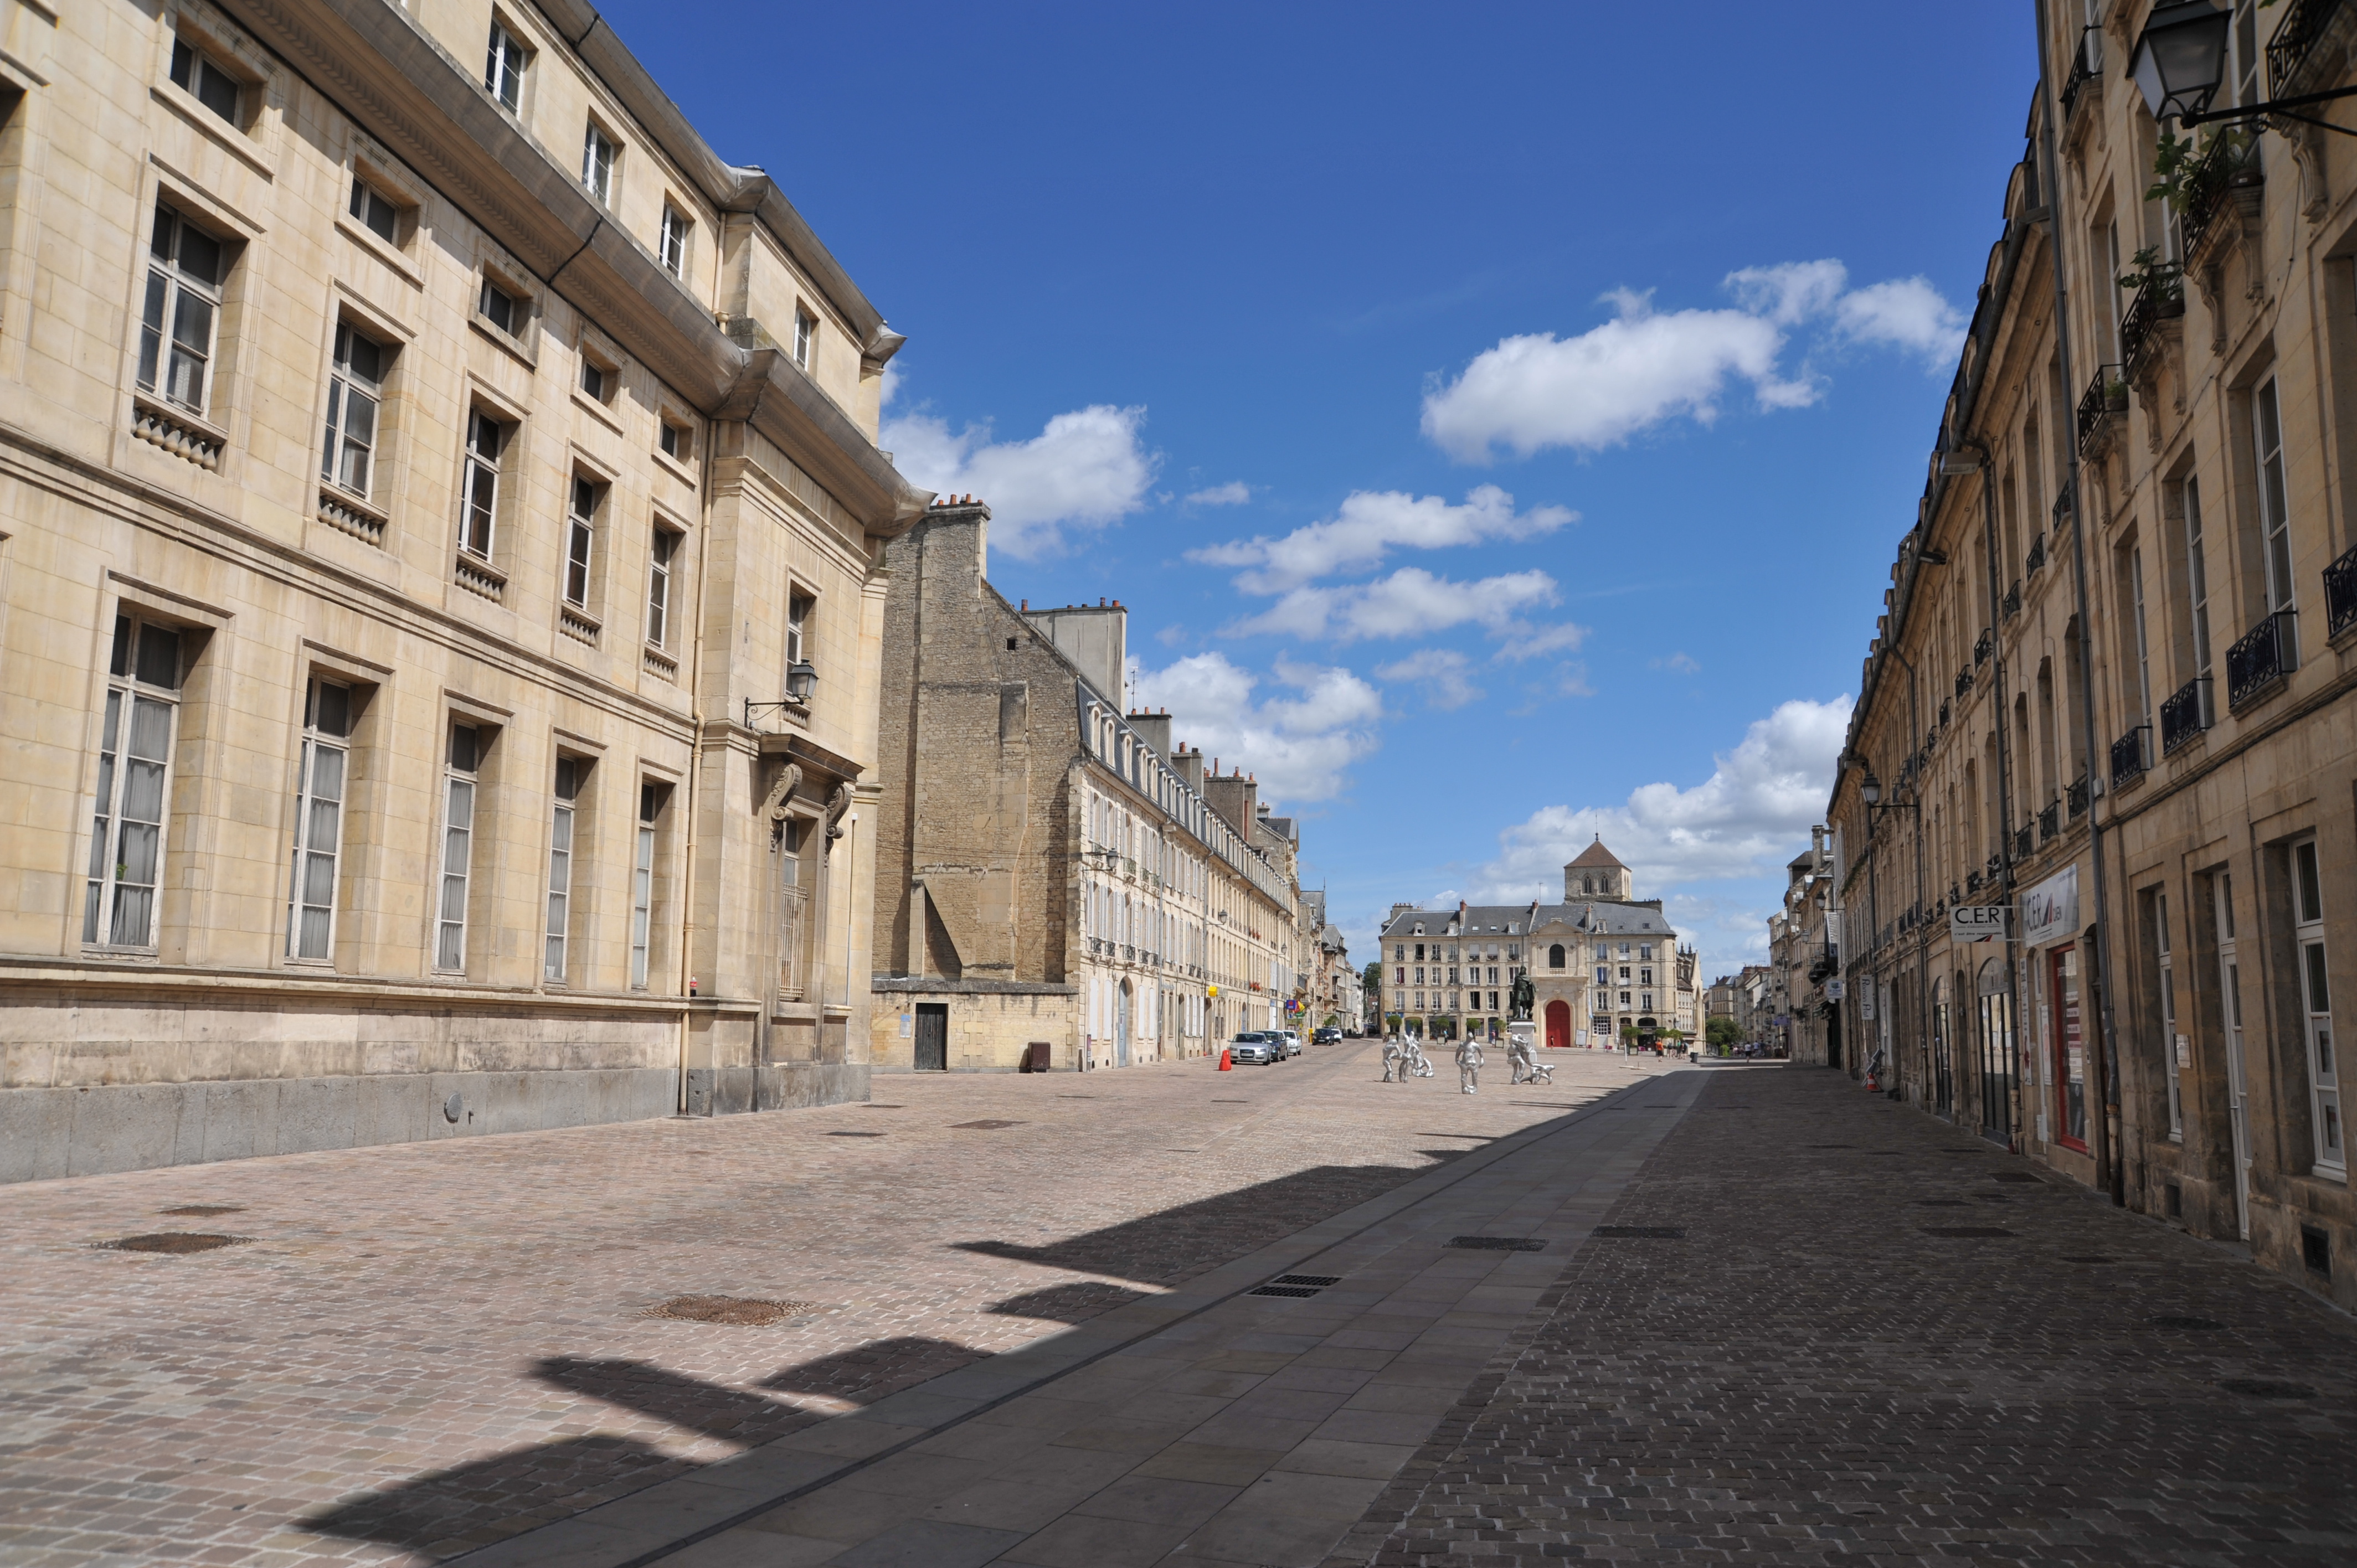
[
  {"x": 1336, "y": 991},
  {"x": 2107, "y": 713},
  {"x": 1059, "y": 884},
  {"x": 1605, "y": 965},
  {"x": 403, "y": 521}
]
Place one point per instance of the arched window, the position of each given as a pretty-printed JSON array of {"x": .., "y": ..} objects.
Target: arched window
[{"x": 1554, "y": 956}]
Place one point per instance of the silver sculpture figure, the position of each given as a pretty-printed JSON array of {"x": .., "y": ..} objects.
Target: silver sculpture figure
[
  {"x": 1527, "y": 1068},
  {"x": 1403, "y": 1059},
  {"x": 1469, "y": 1067}
]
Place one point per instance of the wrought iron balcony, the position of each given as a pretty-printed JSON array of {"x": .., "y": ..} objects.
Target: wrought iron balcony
[
  {"x": 1972, "y": 882},
  {"x": 1983, "y": 646},
  {"x": 2022, "y": 844},
  {"x": 2086, "y": 65},
  {"x": 2162, "y": 298},
  {"x": 2260, "y": 659},
  {"x": 2184, "y": 713},
  {"x": 2131, "y": 755},
  {"x": 2013, "y": 600},
  {"x": 1956, "y": 894},
  {"x": 2075, "y": 798},
  {"x": 2036, "y": 556},
  {"x": 2049, "y": 822},
  {"x": 2296, "y": 38},
  {"x": 2066, "y": 506},
  {"x": 2106, "y": 399},
  {"x": 1943, "y": 713},
  {"x": 1996, "y": 867},
  {"x": 2341, "y": 595},
  {"x": 1963, "y": 681},
  {"x": 2229, "y": 163}
]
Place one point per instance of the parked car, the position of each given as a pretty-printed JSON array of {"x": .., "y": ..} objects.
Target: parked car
[
  {"x": 1292, "y": 1039},
  {"x": 1255, "y": 1048},
  {"x": 1329, "y": 1035}
]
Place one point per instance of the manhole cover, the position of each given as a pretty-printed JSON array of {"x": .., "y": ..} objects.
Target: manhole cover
[
  {"x": 1939, "y": 1203},
  {"x": 1498, "y": 1244},
  {"x": 1318, "y": 1279},
  {"x": 2190, "y": 1325},
  {"x": 840, "y": 1134},
  {"x": 2016, "y": 1176},
  {"x": 1641, "y": 1232},
  {"x": 1282, "y": 1290},
  {"x": 1965, "y": 1231},
  {"x": 987, "y": 1124},
  {"x": 743, "y": 1311},
  {"x": 202, "y": 1210},
  {"x": 174, "y": 1242},
  {"x": 2266, "y": 1389}
]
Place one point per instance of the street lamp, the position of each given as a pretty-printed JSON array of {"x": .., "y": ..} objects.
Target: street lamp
[
  {"x": 800, "y": 680},
  {"x": 1870, "y": 790},
  {"x": 2180, "y": 59}
]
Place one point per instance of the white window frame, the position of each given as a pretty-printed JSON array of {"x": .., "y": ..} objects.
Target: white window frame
[
  {"x": 355, "y": 402},
  {"x": 662, "y": 545},
  {"x": 2274, "y": 507},
  {"x": 581, "y": 539},
  {"x": 2142, "y": 643},
  {"x": 672, "y": 241},
  {"x": 2172, "y": 1067},
  {"x": 2196, "y": 580},
  {"x": 322, "y": 781},
  {"x": 367, "y": 202},
  {"x": 805, "y": 336},
  {"x": 642, "y": 887},
  {"x": 131, "y": 696},
  {"x": 203, "y": 78},
  {"x": 514, "y": 305},
  {"x": 176, "y": 363},
  {"x": 461, "y": 799},
  {"x": 599, "y": 153},
  {"x": 564, "y": 798},
  {"x": 2330, "y": 1135},
  {"x": 799, "y": 607},
  {"x": 478, "y": 488},
  {"x": 505, "y": 62}
]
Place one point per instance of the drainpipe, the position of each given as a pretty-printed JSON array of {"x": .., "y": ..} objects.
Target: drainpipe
[
  {"x": 1923, "y": 942},
  {"x": 2110, "y": 1162},
  {"x": 695, "y": 777}
]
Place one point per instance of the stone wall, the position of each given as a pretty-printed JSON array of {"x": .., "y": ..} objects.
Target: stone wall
[{"x": 990, "y": 1028}]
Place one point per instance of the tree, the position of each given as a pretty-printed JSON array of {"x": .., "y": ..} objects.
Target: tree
[
  {"x": 1723, "y": 1033},
  {"x": 1373, "y": 976}
]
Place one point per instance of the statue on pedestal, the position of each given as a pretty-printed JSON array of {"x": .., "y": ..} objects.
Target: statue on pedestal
[{"x": 1525, "y": 998}]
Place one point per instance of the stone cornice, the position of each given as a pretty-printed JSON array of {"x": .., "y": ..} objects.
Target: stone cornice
[{"x": 374, "y": 63}]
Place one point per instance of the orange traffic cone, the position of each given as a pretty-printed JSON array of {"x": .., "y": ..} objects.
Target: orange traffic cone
[
  {"x": 1872, "y": 1087},
  {"x": 1225, "y": 1065}
]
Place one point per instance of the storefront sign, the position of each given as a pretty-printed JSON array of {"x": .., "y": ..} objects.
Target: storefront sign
[
  {"x": 2050, "y": 911},
  {"x": 1833, "y": 992},
  {"x": 1977, "y": 922},
  {"x": 1865, "y": 1005}
]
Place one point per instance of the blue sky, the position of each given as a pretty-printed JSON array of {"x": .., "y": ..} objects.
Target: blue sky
[{"x": 1498, "y": 419}]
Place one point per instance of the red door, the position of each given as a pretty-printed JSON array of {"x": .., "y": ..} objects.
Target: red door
[{"x": 1558, "y": 1014}]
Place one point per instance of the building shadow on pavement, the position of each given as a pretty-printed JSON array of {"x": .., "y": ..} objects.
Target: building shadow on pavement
[
  {"x": 1074, "y": 1302},
  {"x": 875, "y": 1370},
  {"x": 734, "y": 1415},
  {"x": 1176, "y": 1244},
  {"x": 444, "y": 1513}
]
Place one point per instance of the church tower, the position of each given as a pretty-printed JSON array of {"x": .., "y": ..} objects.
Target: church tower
[{"x": 1596, "y": 872}]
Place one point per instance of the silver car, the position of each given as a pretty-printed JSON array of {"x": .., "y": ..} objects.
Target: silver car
[{"x": 1256, "y": 1047}]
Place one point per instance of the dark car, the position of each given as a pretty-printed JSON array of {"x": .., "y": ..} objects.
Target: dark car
[{"x": 1329, "y": 1035}]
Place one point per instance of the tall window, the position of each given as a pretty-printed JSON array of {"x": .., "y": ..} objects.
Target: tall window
[
  {"x": 805, "y": 336},
  {"x": 2172, "y": 1060},
  {"x": 355, "y": 385},
  {"x": 560, "y": 864},
  {"x": 501, "y": 308},
  {"x": 643, "y": 885},
  {"x": 183, "y": 307},
  {"x": 672, "y": 247},
  {"x": 458, "y": 785},
  {"x": 580, "y": 538},
  {"x": 134, "y": 765},
  {"x": 318, "y": 821},
  {"x": 2323, "y": 1068},
  {"x": 798, "y": 611},
  {"x": 2143, "y": 647},
  {"x": 2197, "y": 579},
  {"x": 2275, "y": 512},
  {"x": 485, "y": 438},
  {"x": 2246, "y": 51},
  {"x": 202, "y": 75},
  {"x": 664, "y": 545},
  {"x": 503, "y": 70},
  {"x": 598, "y": 163}
]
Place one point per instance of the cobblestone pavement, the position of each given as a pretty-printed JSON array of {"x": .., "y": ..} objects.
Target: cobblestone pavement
[
  {"x": 1880, "y": 1340},
  {"x": 422, "y": 1348}
]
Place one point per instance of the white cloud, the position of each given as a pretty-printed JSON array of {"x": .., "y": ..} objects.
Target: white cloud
[
  {"x": 1753, "y": 812},
  {"x": 1084, "y": 470},
  {"x": 1409, "y": 603},
  {"x": 1440, "y": 671},
  {"x": 1642, "y": 369},
  {"x": 1369, "y": 523},
  {"x": 1297, "y": 747},
  {"x": 1531, "y": 642},
  {"x": 1905, "y": 313},
  {"x": 1681, "y": 662},
  {"x": 1235, "y": 492}
]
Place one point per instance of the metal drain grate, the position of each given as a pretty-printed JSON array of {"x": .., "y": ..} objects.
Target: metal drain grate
[
  {"x": 736, "y": 1311},
  {"x": 2190, "y": 1325},
  {"x": 1965, "y": 1231},
  {"x": 1498, "y": 1244},
  {"x": 1320, "y": 1280},
  {"x": 205, "y": 1210},
  {"x": 988, "y": 1124},
  {"x": 1641, "y": 1232},
  {"x": 1282, "y": 1290},
  {"x": 174, "y": 1242},
  {"x": 2266, "y": 1389}
]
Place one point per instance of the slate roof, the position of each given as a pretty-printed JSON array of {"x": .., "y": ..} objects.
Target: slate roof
[
  {"x": 1601, "y": 916},
  {"x": 1596, "y": 854}
]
